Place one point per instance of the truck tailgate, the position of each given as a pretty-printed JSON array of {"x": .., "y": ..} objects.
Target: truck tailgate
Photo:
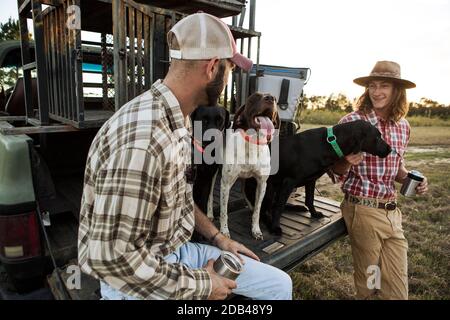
[{"x": 302, "y": 235}]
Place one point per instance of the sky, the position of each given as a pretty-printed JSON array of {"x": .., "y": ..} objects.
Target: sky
[{"x": 342, "y": 39}]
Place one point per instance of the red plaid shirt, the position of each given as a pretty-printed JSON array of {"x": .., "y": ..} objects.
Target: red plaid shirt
[{"x": 374, "y": 177}]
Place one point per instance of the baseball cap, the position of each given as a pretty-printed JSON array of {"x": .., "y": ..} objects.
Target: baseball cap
[{"x": 202, "y": 36}]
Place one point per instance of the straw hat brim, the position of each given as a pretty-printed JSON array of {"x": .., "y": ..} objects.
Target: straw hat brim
[{"x": 363, "y": 81}]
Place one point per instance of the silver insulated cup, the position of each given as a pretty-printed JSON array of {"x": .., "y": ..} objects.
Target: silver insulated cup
[
  {"x": 413, "y": 179},
  {"x": 228, "y": 265}
]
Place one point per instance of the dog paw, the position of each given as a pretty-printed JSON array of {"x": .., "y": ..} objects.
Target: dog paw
[
  {"x": 258, "y": 235},
  {"x": 317, "y": 215}
]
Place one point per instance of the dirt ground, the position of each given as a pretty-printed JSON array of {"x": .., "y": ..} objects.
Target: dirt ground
[{"x": 426, "y": 221}]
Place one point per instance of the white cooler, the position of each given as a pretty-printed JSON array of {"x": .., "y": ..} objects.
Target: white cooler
[{"x": 286, "y": 84}]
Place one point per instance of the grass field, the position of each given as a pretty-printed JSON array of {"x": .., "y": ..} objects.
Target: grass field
[
  {"x": 420, "y": 136},
  {"x": 426, "y": 221},
  {"x": 327, "y": 117}
]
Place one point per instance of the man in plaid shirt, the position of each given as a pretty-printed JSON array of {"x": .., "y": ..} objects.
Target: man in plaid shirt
[
  {"x": 373, "y": 220},
  {"x": 138, "y": 214}
]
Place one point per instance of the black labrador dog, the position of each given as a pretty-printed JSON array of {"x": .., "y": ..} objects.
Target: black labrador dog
[
  {"x": 211, "y": 117},
  {"x": 305, "y": 157}
]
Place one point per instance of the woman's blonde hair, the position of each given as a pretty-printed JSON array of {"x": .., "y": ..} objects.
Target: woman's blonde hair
[{"x": 398, "y": 105}]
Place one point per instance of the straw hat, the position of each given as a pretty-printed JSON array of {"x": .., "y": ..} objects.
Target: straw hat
[{"x": 385, "y": 70}]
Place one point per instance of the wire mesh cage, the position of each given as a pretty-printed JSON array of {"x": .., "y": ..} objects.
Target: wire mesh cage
[
  {"x": 108, "y": 91},
  {"x": 96, "y": 67},
  {"x": 94, "y": 56}
]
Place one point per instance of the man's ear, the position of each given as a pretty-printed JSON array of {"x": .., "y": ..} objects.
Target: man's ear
[{"x": 211, "y": 68}]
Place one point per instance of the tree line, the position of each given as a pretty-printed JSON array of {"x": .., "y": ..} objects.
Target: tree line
[
  {"x": 340, "y": 102},
  {"x": 9, "y": 30}
]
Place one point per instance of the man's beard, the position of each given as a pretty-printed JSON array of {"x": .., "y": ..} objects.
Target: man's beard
[{"x": 215, "y": 87}]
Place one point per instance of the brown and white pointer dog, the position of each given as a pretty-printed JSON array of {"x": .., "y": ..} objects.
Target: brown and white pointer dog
[{"x": 247, "y": 154}]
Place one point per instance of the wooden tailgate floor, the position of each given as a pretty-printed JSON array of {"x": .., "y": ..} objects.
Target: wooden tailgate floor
[{"x": 302, "y": 235}]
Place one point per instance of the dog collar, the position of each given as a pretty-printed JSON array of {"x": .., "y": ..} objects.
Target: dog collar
[
  {"x": 331, "y": 139},
  {"x": 197, "y": 145},
  {"x": 251, "y": 139}
]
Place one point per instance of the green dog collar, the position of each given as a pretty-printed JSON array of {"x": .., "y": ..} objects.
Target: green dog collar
[{"x": 331, "y": 139}]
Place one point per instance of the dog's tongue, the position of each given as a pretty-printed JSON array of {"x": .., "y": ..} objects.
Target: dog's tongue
[{"x": 266, "y": 125}]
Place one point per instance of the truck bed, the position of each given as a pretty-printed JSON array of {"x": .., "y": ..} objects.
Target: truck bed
[{"x": 302, "y": 237}]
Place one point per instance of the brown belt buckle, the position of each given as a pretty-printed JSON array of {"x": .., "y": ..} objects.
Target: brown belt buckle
[{"x": 391, "y": 205}]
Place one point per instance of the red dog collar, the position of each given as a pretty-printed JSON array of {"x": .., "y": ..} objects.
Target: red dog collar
[
  {"x": 198, "y": 145},
  {"x": 253, "y": 139}
]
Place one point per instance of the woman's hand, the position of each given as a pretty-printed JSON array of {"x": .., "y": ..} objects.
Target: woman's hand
[
  {"x": 354, "y": 158},
  {"x": 422, "y": 187},
  {"x": 343, "y": 165}
]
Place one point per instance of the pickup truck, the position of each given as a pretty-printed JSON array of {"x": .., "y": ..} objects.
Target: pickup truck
[
  {"x": 58, "y": 168},
  {"x": 43, "y": 148}
]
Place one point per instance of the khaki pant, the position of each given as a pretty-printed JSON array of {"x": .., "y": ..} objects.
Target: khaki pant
[{"x": 379, "y": 250}]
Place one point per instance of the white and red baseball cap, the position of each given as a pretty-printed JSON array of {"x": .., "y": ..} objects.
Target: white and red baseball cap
[{"x": 202, "y": 36}]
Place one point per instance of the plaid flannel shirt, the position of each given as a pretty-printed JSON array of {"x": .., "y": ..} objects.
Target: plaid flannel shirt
[
  {"x": 136, "y": 205},
  {"x": 374, "y": 177}
]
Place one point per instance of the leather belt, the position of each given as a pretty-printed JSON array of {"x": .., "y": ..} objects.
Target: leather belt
[{"x": 374, "y": 203}]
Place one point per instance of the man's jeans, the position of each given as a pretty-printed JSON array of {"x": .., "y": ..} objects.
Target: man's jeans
[{"x": 258, "y": 281}]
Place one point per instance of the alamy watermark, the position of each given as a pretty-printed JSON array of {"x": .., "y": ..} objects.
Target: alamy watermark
[
  {"x": 73, "y": 282},
  {"x": 73, "y": 17},
  {"x": 232, "y": 147},
  {"x": 374, "y": 279}
]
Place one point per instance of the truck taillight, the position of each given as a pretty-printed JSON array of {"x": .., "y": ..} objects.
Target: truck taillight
[{"x": 19, "y": 236}]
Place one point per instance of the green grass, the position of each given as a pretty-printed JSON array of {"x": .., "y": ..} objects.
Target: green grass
[
  {"x": 427, "y": 227},
  {"x": 420, "y": 136},
  {"x": 428, "y": 122},
  {"x": 323, "y": 117},
  {"x": 326, "y": 117},
  {"x": 430, "y": 136},
  {"x": 426, "y": 221},
  {"x": 427, "y": 156}
]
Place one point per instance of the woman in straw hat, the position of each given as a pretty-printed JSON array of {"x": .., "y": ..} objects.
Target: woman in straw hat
[{"x": 373, "y": 220}]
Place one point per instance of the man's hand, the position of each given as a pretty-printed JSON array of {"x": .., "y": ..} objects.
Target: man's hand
[
  {"x": 422, "y": 187},
  {"x": 354, "y": 158},
  {"x": 221, "y": 287},
  {"x": 234, "y": 247}
]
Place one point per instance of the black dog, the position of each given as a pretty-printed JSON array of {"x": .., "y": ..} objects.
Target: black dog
[
  {"x": 215, "y": 117},
  {"x": 305, "y": 157}
]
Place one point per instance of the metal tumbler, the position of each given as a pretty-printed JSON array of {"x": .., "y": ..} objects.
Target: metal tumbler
[
  {"x": 413, "y": 179},
  {"x": 228, "y": 265}
]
